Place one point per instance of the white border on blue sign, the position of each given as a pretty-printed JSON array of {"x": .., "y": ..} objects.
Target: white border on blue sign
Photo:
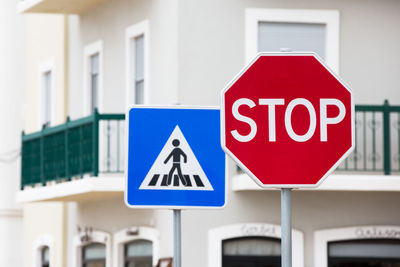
[
  {"x": 241, "y": 165},
  {"x": 127, "y": 151}
]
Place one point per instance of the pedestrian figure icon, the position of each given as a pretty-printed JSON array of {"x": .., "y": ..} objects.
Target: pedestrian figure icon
[
  {"x": 176, "y": 167},
  {"x": 176, "y": 154}
]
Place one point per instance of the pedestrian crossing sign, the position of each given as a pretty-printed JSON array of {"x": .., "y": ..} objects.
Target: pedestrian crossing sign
[{"x": 175, "y": 159}]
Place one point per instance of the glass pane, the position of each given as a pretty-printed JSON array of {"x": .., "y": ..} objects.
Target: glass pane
[
  {"x": 94, "y": 64},
  {"x": 94, "y": 251},
  {"x": 251, "y": 247},
  {"x": 365, "y": 249},
  {"x": 140, "y": 248},
  {"x": 94, "y": 84},
  {"x": 139, "y": 92},
  {"x": 45, "y": 257},
  {"x": 47, "y": 97},
  {"x": 139, "y": 57},
  {"x": 276, "y": 36},
  {"x": 94, "y": 80}
]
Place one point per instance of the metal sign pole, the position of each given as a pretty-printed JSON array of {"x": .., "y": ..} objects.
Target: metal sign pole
[
  {"x": 286, "y": 221},
  {"x": 177, "y": 238}
]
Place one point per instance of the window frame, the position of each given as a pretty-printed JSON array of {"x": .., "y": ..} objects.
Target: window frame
[
  {"x": 84, "y": 261},
  {"x": 39, "y": 244},
  {"x": 127, "y": 259},
  {"x": 128, "y": 235},
  {"x": 217, "y": 235},
  {"x": 44, "y": 68},
  {"x": 312, "y": 16},
  {"x": 95, "y": 237},
  {"x": 89, "y": 51},
  {"x": 258, "y": 258},
  {"x": 132, "y": 32},
  {"x": 323, "y": 237}
]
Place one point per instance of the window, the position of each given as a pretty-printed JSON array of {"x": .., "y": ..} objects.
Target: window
[
  {"x": 91, "y": 248},
  {"x": 374, "y": 245},
  {"x": 46, "y": 93},
  {"x": 93, "y": 83},
  {"x": 251, "y": 251},
  {"x": 45, "y": 257},
  {"x": 369, "y": 252},
  {"x": 136, "y": 247},
  {"x": 138, "y": 75},
  {"x": 47, "y": 77},
  {"x": 251, "y": 244},
  {"x": 43, "y": 251},
  {"x": 137, "y": 51},
  {"x": 274, "y": 30},
  {"x": 94, "y": 255},
  {"x": 139, "y": 253},
  {"x": 275, "y": 36}
]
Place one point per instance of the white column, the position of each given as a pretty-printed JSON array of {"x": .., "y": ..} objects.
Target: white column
[{"x": 12, "y": 50}]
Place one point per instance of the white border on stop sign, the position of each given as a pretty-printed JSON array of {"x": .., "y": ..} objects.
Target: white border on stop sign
[{"x": 241, "y": 165}]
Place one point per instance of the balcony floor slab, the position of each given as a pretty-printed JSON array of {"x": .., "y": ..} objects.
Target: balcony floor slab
[
  {"x": 334, "y": 182},
  {"x": 89, "y": 188}
]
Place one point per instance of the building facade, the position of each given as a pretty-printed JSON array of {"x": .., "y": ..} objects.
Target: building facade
[
  {"x": 12, "y": 74},
  {"x": 123, "y": 52}
]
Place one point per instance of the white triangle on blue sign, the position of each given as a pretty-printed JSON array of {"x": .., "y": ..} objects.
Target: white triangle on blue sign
[{"x": 171, "y": 172}]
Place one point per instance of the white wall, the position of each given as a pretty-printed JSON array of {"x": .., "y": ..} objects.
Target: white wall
[
  {"x": 312, "y": 211},
  {"x": 11, "y": 241},
  {"x": 108, "y": 22},
  {"x": 11, "y": 87},
  {"x": 196, "y": 48},
  {"x": 211, "y": 46}
]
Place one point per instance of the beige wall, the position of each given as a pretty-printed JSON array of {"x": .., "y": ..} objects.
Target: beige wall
[
  {"x": 45, "y": 219},
  {"x": 312, "y": 211},
  {"x": 115, "y": 216},
  {"x": 46, "y": 41}
]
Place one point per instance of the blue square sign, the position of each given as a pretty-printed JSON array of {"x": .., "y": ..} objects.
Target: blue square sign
[{"x": 175, "y": 159}]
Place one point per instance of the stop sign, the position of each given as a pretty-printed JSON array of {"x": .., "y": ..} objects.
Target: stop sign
[{"x": 287, "y": 120}]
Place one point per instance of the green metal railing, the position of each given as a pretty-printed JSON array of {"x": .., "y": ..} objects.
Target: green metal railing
[
  {"x": 377, "y": 140},
  {"x": 73, "y": 149},
  {"x": 94, "y": 145}
]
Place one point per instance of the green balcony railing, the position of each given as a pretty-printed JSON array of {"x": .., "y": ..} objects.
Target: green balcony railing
[
  {"x": 74, "y": 149},
  {"x": 377, "y": 140},
  {"x": 95, "y": 144}
]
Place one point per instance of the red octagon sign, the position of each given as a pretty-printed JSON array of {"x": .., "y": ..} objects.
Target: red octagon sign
[{"x": 287, "y": 120}]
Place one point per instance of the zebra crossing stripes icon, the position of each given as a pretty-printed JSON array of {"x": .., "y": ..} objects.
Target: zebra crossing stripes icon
[{"x": 176, "y": 167}]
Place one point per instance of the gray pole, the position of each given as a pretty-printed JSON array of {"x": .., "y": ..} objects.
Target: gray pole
[
  {"x": 286, "y": 222},
  {"x": 177, "y": 238}
]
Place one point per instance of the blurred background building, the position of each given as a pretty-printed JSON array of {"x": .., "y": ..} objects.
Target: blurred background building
[
  {"x": 74, "y": 67},
  {"x": 12, "y": 72}
]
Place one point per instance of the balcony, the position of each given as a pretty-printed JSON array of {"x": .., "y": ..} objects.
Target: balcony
[
  {"x": 87, "y": 147},
  {"x": 92, "y": 147},
  {"x": 55, "y": 6},
  {"x": 374, "y": 164}
]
